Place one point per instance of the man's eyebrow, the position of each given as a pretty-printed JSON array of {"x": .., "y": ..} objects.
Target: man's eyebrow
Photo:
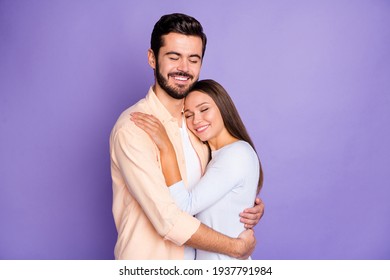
[
  {"x": 178, "y": 54},
  {"x": 174, "y": 53}
]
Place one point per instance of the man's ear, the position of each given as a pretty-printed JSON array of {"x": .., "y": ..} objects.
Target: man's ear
[{"x": 151, "y": 59}]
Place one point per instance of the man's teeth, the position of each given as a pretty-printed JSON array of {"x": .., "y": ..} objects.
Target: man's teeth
[{"x": 181, "y": 78}]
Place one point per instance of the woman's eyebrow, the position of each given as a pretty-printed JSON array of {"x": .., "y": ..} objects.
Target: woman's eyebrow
[{"x": 203, "y": 103}]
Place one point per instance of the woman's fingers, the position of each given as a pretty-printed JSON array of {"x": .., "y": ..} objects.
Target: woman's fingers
[
  {"x": 153, "y": 127},
  {"x": 145, "y": 119}
]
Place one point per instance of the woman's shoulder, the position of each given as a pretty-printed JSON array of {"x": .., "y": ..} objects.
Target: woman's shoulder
[
  {"x": 238, "y": 149},
  {"x": 241, "y": 146},
  {"x": 239, "y": 157}
]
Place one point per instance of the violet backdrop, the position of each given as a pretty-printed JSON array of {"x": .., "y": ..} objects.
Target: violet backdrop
[{"x": 311, "y": 80}]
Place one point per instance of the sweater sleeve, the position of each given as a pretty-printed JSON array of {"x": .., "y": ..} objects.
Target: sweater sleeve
[{"x": 225, "y": 172}]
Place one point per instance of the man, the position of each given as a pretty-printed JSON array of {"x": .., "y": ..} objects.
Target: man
[{"x": 149, "y": 224}]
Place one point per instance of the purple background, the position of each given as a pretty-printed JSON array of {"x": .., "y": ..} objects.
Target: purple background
[{"x": 311, "y": 80}]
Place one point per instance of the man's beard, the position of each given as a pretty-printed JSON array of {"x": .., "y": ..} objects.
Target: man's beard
[{"x": 178, "y": 92}]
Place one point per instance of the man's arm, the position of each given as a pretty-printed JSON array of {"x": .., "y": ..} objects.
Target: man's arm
[
  {"x": 138, "y": 161},
  {"x": 134, "y": 155},
  {"x": 240, "y": 248}
]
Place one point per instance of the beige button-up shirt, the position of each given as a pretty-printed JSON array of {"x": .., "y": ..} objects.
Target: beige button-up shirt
[{"x": 149, "y": 224}]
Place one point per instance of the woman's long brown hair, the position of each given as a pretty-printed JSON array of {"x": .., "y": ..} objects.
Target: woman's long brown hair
[{"x": 230, "y": 115}]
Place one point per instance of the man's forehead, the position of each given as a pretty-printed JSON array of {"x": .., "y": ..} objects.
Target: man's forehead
[{"x": 177, "y": 40}]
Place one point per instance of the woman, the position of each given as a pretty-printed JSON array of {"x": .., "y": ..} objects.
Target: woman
[{"x": 233, "y": 176}]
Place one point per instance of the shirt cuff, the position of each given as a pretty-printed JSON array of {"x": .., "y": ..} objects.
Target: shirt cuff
[
  {"x": 183, "y": 229},
  {"x": 176, "y": 185}
]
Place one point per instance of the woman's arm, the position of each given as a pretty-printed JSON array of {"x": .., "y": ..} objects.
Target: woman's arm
[
  {"x": 250, "y": 217},
  {"x": 225, "y": 174},
  {"x": 154, "y": 128}
]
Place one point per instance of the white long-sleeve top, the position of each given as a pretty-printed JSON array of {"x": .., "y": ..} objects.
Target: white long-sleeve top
[{"x": 228, "y": 186}]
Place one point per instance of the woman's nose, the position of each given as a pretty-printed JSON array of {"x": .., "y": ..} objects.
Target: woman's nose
[{"x": 196, "y": 119}]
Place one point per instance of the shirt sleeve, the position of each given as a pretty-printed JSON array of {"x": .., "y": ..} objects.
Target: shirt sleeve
[
  {"x": 138, "y": 159},
  {"x": 224, "y": 173}
]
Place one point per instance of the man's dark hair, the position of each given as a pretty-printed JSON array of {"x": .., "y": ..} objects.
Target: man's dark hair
[{"x": 177, "y": 23}]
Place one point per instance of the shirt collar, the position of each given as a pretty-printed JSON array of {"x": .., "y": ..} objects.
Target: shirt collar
[{"x": 157, "y": 108}]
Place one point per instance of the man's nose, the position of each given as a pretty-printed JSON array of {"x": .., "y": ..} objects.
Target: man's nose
[{"x": 183, "y": 66}]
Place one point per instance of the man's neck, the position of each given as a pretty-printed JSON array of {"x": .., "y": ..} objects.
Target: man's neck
[{"x": 174, "y": 106}]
